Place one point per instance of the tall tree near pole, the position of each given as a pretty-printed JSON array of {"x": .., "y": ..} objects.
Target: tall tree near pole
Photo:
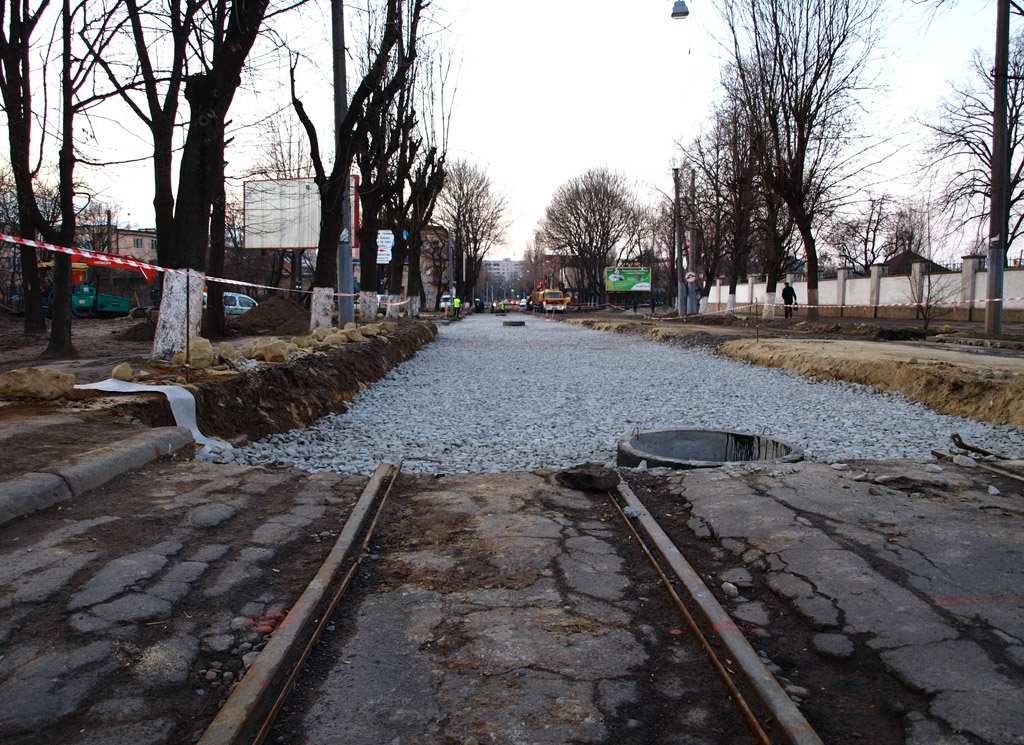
[
  {"x": 376, "y": 87},
  {"x": 799, "y": 65}
]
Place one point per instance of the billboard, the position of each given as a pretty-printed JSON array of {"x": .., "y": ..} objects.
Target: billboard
[
  {"x": 627, "y": 279},
  {"x": 284, "y": 214}
]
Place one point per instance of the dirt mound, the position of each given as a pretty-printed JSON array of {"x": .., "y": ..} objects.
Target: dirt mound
[
  {"x": 142, "y": 331},
  {"x": 276, "y": 316},
  {"x": 984, "y": 388}
]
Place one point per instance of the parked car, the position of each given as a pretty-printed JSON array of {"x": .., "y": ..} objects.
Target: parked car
[
  {"x": 235, "y": 303},
  {"x": 446, "y": 302}
]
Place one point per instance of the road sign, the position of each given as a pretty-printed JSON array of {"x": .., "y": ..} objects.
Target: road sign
[
  {"x": 691, "y": 277},
  {"x": 385, "y": 242}
]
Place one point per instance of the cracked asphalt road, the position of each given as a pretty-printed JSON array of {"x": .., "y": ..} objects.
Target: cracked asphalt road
[{"x": 924, "y": 569}]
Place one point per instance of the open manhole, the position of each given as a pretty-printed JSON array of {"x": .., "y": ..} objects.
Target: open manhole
[
  {"x": 700, "y": 448},
  {"x": 513, "y": 323}
]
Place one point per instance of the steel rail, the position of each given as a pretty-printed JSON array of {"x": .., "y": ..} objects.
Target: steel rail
[
  {"x": 737, "y": 696},
  {"x": 325, "y": 616},
  {"x": 794, "y": 727},
  {"x": 985, "y": 466},
  {"x": 234, "y": 718}
]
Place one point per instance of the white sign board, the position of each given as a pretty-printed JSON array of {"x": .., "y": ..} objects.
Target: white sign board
[
  {"x": 691, "y": 277},
  {"x": 282, "y": 214},
  {"x": 385, "y": 242}
]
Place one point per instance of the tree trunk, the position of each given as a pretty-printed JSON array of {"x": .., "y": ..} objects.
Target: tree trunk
[
  {"x": 804, "y": 226},
  {"x": 368, "y": 249},
  {"x": 398, "y": 256},
  {"x": 60, "y": 346},
  {"x": 415, "y": 279},
  {"x": 331, "y": 224},
  {"x": 214, "y": 325}
]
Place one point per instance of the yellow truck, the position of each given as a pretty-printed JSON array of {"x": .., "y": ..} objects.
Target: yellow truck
[{"x": 550, "y": 301}]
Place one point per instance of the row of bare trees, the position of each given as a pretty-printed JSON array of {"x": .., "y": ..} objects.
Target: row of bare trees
[
  {"x": 177, "y": 66},
  {"x": 775, "y": 175}
]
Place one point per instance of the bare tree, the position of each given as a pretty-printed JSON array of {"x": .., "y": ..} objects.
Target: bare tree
[
  {"x": 587, "y": 220},
  {"x": 799, "y": 64},
  {"x": 19, "y": 22},
  {"x": 918, "y": 228},
  {"x": 477, "y": 214},
  {"x": 284, "y": 152},
  {"x": 962, "y": 144},
  {"x": 724, "y": 195},
  {"x": 910, "y": 230},
  {"x": 858, "y": 238},
  {"x": 389, "y": 59}
]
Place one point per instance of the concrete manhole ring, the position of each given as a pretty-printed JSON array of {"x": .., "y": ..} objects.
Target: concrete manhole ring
[{"x": 701, "y": 448}]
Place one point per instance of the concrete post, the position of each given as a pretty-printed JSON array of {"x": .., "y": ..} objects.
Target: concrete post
[
  {"x": 917, "y": 293},
  {"x": 876, "y": 287},
  {"x": 968, "y": 274},
  {"x": 751, "y": 280},
  {"x": 841, "y": 273}
]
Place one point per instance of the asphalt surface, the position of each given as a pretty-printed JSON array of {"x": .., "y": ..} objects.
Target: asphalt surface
[{"x": 132, "y": 605}]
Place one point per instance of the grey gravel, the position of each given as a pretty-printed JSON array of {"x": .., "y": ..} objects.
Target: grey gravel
[{"x": 485, "y": 398}]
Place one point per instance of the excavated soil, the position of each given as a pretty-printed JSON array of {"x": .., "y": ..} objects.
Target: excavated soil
[
  {"x": 986, "y": 388},
  {"x": 232, "y": 405}
]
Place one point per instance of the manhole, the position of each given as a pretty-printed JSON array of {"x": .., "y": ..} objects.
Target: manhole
[
  {"x": 700, "y": 448},
  {"x": 513, "y": 323}
]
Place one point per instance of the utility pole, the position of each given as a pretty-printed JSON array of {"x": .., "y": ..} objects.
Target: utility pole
[
  {"x": 1000, "y": 167},
  {"x": 691, "y": 296},
  {"x": 346, "y": 282},
  {"x": 451, "y": 267},
  {"x": 680, "y": 269}
]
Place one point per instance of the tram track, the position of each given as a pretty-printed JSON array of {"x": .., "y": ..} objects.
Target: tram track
[{"x": 248, "y": 714}]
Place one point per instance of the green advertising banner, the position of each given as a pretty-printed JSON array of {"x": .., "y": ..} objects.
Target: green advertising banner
[{"x": 627, "y": 279}]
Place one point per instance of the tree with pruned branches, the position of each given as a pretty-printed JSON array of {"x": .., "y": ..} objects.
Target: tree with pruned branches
[{"x": 799, "y": 65}]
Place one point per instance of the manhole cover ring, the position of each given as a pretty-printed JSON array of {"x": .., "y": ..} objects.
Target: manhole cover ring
[{"x": 701, "y": 448}]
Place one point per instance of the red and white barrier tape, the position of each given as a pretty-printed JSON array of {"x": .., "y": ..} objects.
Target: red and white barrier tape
[{"x": 142, "y": 266}]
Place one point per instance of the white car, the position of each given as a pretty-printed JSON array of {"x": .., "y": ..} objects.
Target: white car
[
  {"x": 235, "y": 303},
  {"x": 446, "y": 302}
]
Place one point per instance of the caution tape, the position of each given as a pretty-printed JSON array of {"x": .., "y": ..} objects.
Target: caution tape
[{"x": 143, "y": 267}]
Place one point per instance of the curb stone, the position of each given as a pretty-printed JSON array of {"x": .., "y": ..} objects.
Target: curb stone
[{"x": 38, "y": 490}]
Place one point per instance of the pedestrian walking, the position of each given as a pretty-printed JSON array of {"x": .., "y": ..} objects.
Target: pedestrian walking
[
  {"x": 458, "y": 306},
  {"x": 654, "y": 305},
  {"x": 636, "y": 305},
  {"x": 789, "y": 298}
]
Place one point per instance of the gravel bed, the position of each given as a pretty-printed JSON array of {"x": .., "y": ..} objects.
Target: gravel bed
[{"x": 487, "y": 398}]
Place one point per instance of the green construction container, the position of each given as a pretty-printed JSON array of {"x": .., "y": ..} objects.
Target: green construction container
[{"x": 86, "y": 302}]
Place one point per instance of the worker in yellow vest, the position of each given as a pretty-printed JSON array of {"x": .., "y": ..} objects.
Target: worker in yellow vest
[{"x": 458, "y": 305}]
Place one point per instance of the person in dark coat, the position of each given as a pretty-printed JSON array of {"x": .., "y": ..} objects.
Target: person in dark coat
[{"x": 789, "y": 298}]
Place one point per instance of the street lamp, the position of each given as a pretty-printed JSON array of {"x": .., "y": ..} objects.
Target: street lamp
[{"x": 679, "y": 11}]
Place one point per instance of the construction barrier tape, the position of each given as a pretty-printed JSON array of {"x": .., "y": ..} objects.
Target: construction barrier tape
[{"x": 141, "y": 266}]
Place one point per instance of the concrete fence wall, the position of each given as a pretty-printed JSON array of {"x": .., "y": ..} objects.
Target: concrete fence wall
[{"x": 960, "y": 295}]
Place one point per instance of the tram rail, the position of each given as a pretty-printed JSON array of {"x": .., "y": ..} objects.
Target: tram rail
[{"x": 249, "y": 713}]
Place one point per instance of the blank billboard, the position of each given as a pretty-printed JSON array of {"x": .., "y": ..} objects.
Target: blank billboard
[{"x": 282, "y": 214}]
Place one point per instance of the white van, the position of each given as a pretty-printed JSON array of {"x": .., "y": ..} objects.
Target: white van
[{"x": 235, "y": 303}]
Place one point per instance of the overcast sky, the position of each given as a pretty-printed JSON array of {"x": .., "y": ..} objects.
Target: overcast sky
[{"x": 547, "y": 89}]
